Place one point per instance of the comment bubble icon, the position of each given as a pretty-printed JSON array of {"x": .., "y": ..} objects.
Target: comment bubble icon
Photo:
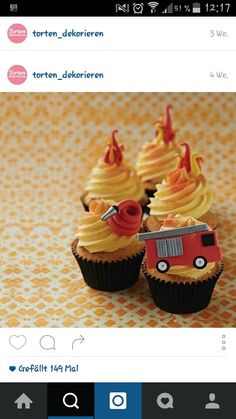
[
  {"x": 165, "y": 401},
  {"x": 47, "y": 342}
]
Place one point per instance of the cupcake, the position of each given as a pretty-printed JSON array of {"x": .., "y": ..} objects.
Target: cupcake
[
  {"x": 185, "y": 191},
  {"x": 182, "y": 265},
  {"x": 113, "y": 178},
  {"x": 106, "y": 248},
  {"x": 158, "y": 157}
]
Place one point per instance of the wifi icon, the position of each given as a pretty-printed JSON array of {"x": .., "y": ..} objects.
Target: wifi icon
[{"x": 153, "y": 6}]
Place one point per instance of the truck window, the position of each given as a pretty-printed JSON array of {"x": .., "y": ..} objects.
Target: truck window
[{"x": 208, "y": 239}]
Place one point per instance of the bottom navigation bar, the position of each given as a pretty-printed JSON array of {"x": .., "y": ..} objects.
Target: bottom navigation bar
[{"x": 117, "y": 400}]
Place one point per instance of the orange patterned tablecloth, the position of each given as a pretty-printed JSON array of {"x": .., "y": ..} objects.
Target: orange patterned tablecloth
[{"x": 48, "y": 144}]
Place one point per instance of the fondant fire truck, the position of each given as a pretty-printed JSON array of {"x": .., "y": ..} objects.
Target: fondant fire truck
[{"x": 193, "y": 245}]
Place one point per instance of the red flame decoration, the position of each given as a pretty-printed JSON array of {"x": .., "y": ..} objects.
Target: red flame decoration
[
  {"x": 113, "y": 153},
  {"x": 185, "y": 161},
  {"x": 168, "y": 132}
]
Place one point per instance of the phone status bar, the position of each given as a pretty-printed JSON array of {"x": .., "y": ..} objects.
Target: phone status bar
[{"x": 162, "y": 8}]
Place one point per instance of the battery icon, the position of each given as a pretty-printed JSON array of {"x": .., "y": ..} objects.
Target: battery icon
[{"x": 196, "y": 8}]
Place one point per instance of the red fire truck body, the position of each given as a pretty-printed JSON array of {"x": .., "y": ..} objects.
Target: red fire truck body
[{"x": 194, "y": 245}]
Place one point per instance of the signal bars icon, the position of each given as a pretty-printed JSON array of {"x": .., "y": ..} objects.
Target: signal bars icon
[
  {"x": 169, "y": 9},
  {"x": 153, "y": 6}
]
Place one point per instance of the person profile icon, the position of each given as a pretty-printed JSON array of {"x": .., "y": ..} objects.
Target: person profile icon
[{"x": 212, "y": 404}]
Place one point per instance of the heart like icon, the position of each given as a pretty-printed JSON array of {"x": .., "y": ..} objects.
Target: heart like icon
[
  {"x": 17, "y": 342},
  {"x": 12, "y": 368},
  {"x": 165, "y": 400}
]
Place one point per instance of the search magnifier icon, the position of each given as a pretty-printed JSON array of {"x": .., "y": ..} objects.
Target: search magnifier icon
[{"x": 70, "y": 400}]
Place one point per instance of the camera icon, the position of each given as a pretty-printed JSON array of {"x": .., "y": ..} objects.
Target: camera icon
[{"x": 118, "y": 401}]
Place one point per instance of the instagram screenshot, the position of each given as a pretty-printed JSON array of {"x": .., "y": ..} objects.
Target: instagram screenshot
[{"x": 117, "y": 210}]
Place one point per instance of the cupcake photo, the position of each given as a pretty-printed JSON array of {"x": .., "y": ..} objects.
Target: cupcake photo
[
  {"x": 65, "y": 177},
  {"x": 182, "y": 264},
  {"x": 185, "y": 191},
  {"x": 158, "y": 157},
  {"x": 106, "y": 248},
  {"x": 113, "y": 178}
]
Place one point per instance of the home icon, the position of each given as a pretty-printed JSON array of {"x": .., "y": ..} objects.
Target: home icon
[{"x": 23, "y": 402}]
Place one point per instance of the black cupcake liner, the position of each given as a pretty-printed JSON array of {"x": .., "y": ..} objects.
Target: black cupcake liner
[
  {"x": 181, "y": 297},
  {"x": 109, "y": 276},
  {"x": 150, "y": 192},
  {"x": 145, "y": 201}
]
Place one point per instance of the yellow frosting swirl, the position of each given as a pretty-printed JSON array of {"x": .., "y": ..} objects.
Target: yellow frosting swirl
[
  {"x": 175, "y": 221},
  {"x": 185, "y": 191},
  {"x": 112, "y": 177},
  {"x": 96, "y": 235},
  {"x": 191, "y": 271},
  {"x": 114, "y": 181},
  {"x": 157, "y": 158}
]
